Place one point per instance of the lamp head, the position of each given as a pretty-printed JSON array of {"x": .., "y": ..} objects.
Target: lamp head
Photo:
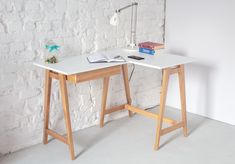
[{"x": 114, "y": 20}]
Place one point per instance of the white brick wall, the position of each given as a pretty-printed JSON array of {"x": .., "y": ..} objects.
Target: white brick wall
[{"x": 80, "y": 26}]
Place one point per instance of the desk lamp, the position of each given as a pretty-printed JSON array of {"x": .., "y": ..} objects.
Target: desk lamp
[{"x": 115, "y": 21}]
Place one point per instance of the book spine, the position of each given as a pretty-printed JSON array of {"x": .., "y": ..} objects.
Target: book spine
[
  {"x": 147, "y": 51},
  {"x": 155, "y": 46},
  {"x": 146, "y": 46}
]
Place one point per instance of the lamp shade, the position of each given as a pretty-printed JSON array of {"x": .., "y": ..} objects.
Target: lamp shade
[{"x": 114, "y": 20}]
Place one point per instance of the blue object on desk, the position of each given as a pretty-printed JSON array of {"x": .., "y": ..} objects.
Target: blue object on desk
[
  {"x": 147, "y": 51},
  {"x": 52, "y": 48}
]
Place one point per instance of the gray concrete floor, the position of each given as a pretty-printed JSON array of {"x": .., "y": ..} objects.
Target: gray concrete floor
[{"x": 130, "y": 140}]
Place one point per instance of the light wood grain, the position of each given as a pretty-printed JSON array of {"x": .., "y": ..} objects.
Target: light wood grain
[
  {"x": 89, "y": 75},
  {"x": 115, "y": 109},
  {"x": 126, "y": 85},
  {"x": 57, "y": 136},
  {"x": 104, "y": 100},
  {"x": 171, "y": 128},
  {"x": 166, "y": 74},
  {"x": 162, "y": 106},
  {"x": 183, "y": 99},
  {"x": 64, "y": 96},
  {"x": 140, "y": 111},
  {"x": 47, "y": 96},
  {"x": 95, "y": 74},
  {"x": 54, "y": 75},
  {"x": 174, "y": 70},
  {"x": 149, "y": 114}
]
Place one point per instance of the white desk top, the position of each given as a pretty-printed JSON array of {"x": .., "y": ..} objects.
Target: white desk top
[
  {"x": 157, "y": 61},
  {"x": 79, "y": 64},
  {"x": 75, "y": 64}
]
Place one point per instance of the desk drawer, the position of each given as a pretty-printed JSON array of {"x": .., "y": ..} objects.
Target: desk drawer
[{"x": 96, "y": 74}]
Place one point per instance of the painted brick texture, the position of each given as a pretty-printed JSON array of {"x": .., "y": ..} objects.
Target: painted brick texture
[{"x": 79, "y": 26}]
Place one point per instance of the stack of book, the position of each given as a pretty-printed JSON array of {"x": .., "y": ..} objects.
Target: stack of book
[{"x": 150, "y": 47}]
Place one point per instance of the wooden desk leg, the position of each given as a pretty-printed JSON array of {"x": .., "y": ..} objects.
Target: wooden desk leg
[
  {"x": 127, "y": 87},
  {"x": 64, "y": 96},
  {"x": 162, "y": 106},
  {"x": 47, "y": 96},
  {"x": 183, "y": 99},
  {"x": 104, "y": 100}
]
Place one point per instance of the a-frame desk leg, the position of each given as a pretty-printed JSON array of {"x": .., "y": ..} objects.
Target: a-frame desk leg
[
  {"x": 75, "y": 78},
  {"x": 104, "y": 111},
  {"x": 127, "y": 87},
  {"x": 166, "y": 74},
  {"x": 183, "y": 98},
  {"x": 165, "y": 81},
  {"x": 64, "y": 96},
  {"x": 47, "y": 96},
  {"x": 104, "y": 100}
]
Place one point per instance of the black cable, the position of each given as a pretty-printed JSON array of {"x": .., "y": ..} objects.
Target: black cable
[
  {"x": 152, "y": 107},
  {"x": 132, "y": 72}
]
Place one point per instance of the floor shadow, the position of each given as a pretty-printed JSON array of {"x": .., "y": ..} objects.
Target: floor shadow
[
  {"x": 103, "y": 133},
  {"x": 172, "y": 137},
  {"x": 202, "y": 73},
  {"x": 198, "y": 74},
  {"x": 193, "y": 127}
]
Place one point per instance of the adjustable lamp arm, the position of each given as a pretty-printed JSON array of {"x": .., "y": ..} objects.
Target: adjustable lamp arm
[
  {"x": 115, "y": 20},
  {"x": 123, "y": 8}
]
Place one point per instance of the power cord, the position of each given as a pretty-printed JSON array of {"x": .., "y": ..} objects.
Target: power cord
[
  {"x": 132, "y": 71},
  {"x": 151, "y": 107}
]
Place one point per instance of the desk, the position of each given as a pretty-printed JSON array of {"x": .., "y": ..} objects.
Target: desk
[{"x": 78, "y": 69}]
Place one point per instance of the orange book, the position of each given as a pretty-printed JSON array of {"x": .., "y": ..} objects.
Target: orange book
[{"x": 151, "y": 45}]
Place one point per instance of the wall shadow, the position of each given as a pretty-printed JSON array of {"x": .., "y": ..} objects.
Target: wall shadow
[{"x": 198, "y": 74}]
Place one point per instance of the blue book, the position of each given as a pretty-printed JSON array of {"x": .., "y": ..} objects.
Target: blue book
[{"x": 147, "y": 51}]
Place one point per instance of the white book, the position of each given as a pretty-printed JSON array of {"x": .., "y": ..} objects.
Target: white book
[{"x": 100, "y": 57}]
